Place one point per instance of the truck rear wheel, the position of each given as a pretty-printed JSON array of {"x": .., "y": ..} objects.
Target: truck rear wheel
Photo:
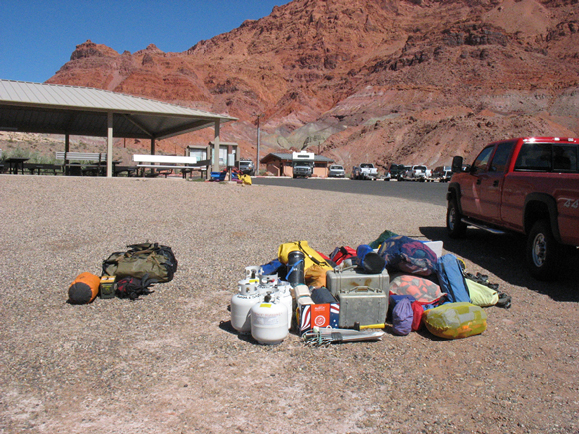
[
  {"x": 454, "y": 225},
  {"x": 542, "y": 252}
]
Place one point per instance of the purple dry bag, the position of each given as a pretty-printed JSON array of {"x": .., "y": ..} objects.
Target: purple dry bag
[{"x": 402, "y": 316}]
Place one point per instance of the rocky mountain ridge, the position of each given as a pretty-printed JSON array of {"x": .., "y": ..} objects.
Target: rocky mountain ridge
[{"x": 405, "y": 81}]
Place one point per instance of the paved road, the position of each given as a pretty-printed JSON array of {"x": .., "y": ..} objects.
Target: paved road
[{"x": 431, "y": 192}]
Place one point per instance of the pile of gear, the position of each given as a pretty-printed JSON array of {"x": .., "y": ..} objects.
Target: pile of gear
[
  {"x": 395, "y": 282},
  {"x": 127, "y": 274}
]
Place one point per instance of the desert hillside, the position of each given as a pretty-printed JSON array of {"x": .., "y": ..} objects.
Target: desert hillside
[{"x": 385, "y": 81}]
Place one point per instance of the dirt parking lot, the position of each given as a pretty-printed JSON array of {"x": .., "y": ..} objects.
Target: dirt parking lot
[{"x": 171, "y": 363}]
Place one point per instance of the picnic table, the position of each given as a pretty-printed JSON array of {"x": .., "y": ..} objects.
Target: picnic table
[
  {"x": 16, "y": 163},
  {"x": 96, "y": 163},
  {"x": 41, "y": 167},
  {"x": 165, "y": 164}
]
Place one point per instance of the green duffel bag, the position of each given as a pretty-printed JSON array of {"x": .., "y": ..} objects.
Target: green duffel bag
[
  {"x": 157, "y": 261},
  {"x": 481, "y": 295},
  {"x": 455, "y": 320}
]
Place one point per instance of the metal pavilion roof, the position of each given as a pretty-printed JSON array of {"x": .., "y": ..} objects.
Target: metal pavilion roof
[{"x": 74, "y": 110}]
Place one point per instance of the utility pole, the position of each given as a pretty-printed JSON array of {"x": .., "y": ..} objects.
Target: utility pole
[{"x": 258, "y": 143}]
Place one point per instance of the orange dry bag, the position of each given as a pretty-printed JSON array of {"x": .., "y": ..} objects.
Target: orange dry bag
[{"x": 84, "y": 289}]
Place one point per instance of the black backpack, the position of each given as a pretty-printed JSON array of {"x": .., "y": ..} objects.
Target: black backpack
[
  {"x": 131, "y": 287},
  {"x": 156, "y": 261}
]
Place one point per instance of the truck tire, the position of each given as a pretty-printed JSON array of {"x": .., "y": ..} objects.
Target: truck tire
[
  {"x": 542, "y": 252},
  {"x": 454, "y": 225}
]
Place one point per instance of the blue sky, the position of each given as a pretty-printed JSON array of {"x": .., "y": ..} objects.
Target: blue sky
[{"x": 37, "y": 37}]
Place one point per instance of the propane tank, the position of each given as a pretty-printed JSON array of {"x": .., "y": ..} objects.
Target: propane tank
[
  {"x": 241, "y": 304},
  {"x": 252, "y": 274},
  {"x": 269, "y": 321},
  {"x": 284, "y": 294},
  {"x": 268, "y": 279},
  {"x": 244, "y": 284},
  {"x": 267, "y": 284}
]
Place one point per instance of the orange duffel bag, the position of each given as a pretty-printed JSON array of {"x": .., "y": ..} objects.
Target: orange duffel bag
[{"x": 84, "y": 288}]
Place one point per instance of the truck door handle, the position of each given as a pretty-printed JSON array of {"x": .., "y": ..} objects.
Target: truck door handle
[
  {"x": 478, "y": 181},
  {"x": 496, "y": 183}
]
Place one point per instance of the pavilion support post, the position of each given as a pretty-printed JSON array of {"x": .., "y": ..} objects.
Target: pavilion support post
[
  {"x": 66, "y": 151},
  {"x": 152, "y": 146},
  {"x": 208, "y": 157},
  {"x": 229, "y": 152},
  {"x": 215, "y": 160},
  {"x": 109, "y": 145}
]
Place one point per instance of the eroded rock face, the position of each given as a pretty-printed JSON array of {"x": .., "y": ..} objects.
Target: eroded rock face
[
  {"x": 90, "y": 49},
  {"x": 388, "y": 80}
]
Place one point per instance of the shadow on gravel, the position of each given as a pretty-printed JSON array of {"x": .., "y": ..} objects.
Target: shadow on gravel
[
  {"x": 504, "y": 256},
  {"x": 226, "y": 326}
]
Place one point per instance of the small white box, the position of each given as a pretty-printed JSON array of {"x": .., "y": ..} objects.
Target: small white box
[{"x": 435, "y": 246}]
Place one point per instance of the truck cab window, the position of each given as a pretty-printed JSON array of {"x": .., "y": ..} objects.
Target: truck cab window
[
  {"x": 501, "y": 157},
  {"x": 480, "y": 164},
  {"x": 564, "y": 158},
  {"x": 535, "y": 157}
]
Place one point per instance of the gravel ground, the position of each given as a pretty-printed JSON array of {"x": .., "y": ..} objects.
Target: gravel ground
[{"x": 170, "y": 361}]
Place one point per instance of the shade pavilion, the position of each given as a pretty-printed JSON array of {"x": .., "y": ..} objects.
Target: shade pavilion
[{"x": 82, "y": 111}]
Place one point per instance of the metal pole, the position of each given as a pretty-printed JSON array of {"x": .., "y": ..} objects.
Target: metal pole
[
  {"x": 258, "y": 140},
  {"x": 66, "y": 151},
  {"x": 216, "y": 147},
  {"x": 109, "y": 145}
]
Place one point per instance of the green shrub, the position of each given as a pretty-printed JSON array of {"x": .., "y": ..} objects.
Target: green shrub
[{"x": 33, "y": 157}]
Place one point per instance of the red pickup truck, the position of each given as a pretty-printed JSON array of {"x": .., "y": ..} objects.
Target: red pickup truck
[{"x": 528, "y": 185}]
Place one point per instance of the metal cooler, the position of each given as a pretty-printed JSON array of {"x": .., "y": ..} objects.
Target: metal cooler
[
  {"x": 350, "y": 278},
  {"x": 362, "y": 304}
]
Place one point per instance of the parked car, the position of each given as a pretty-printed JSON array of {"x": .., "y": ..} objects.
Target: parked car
[
  {"x": 336, "y": 171},
  {"x": 527, "y": 185}
]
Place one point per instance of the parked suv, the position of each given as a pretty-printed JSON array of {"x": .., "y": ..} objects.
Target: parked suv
[
  {"x": 397, "y": 170},
  {"x": 246, "y": 167},
  {"x": 336, "y": 171}
]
